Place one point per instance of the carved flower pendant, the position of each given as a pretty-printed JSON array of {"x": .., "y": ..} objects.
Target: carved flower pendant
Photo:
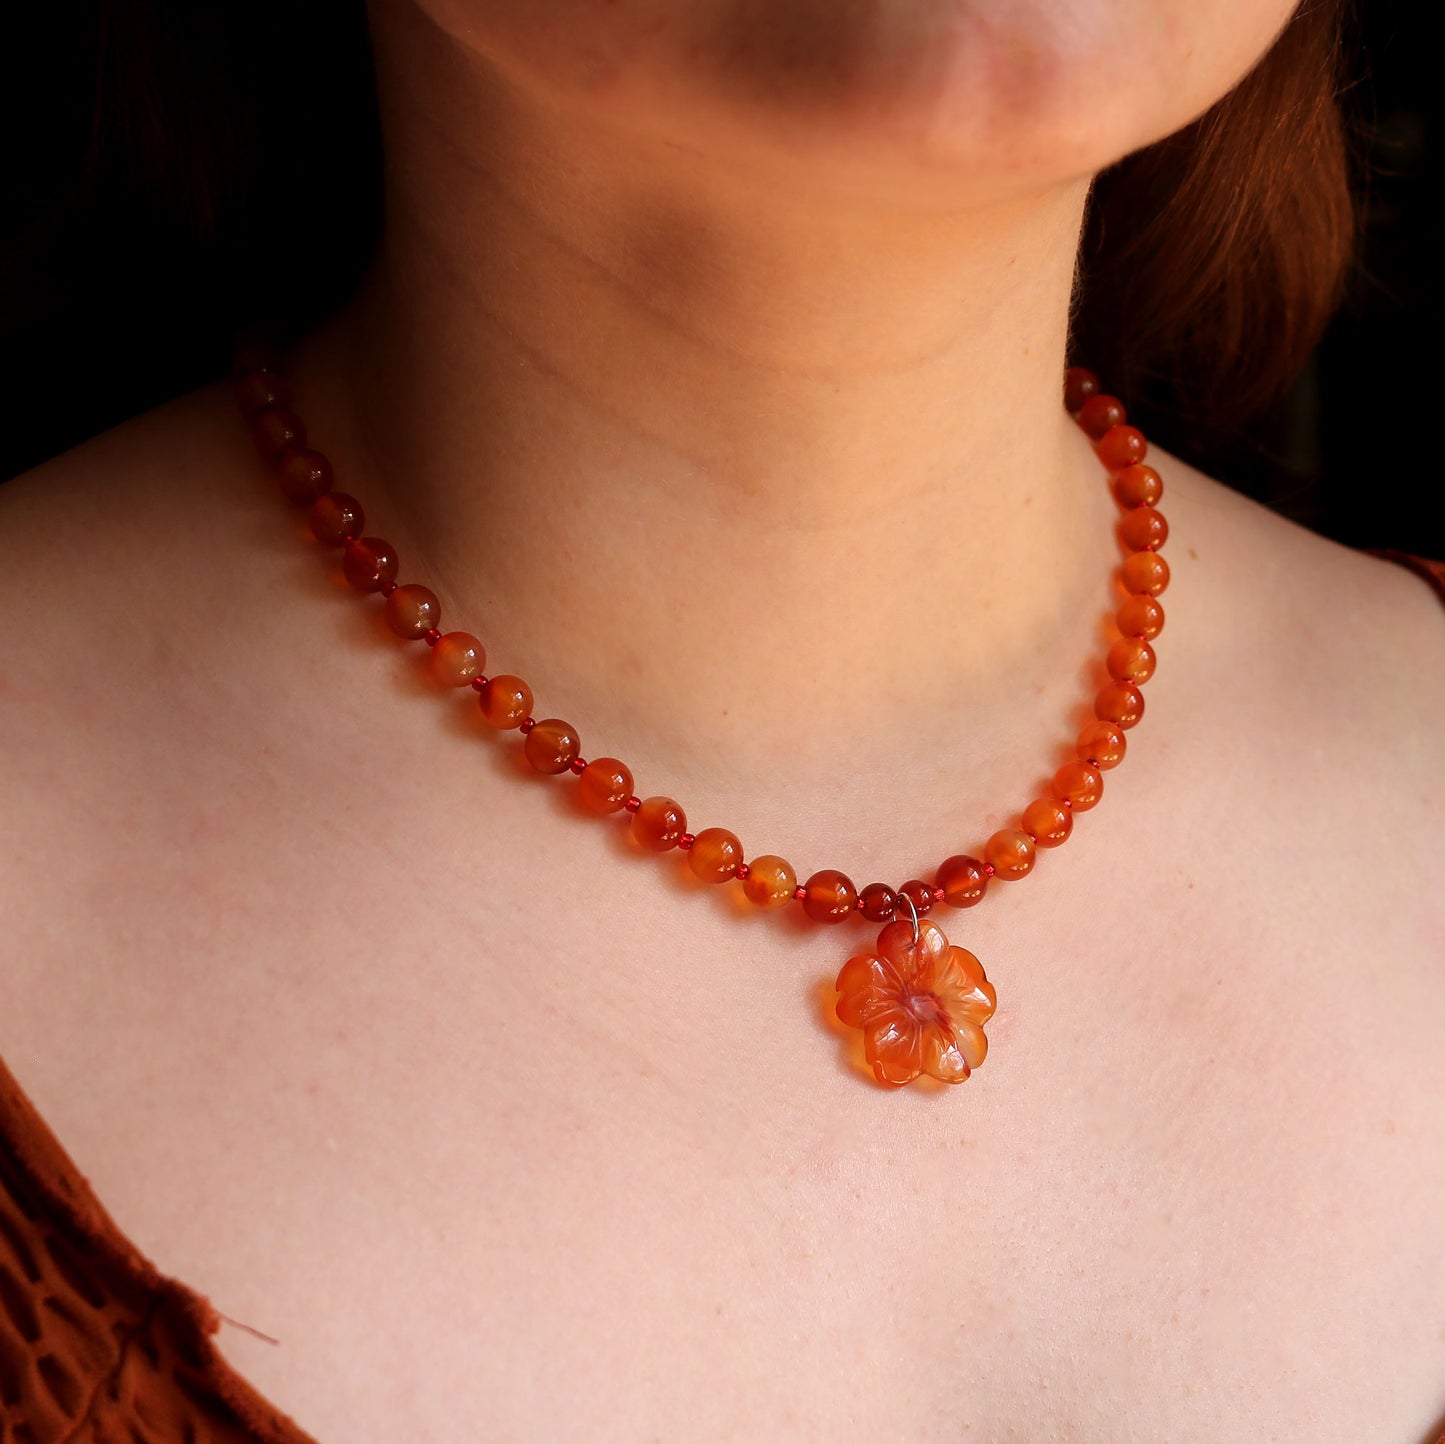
[{"x": 921, "y": 1004}]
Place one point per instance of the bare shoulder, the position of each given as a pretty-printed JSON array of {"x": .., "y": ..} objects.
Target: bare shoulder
[
  {"x": 121, "y": 507},
  {"x": 1343, "y": 650},
  {"x": 130, "y": 561}
]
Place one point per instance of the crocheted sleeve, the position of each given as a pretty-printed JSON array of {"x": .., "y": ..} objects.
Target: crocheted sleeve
[{"x": 96, "y": 1347}]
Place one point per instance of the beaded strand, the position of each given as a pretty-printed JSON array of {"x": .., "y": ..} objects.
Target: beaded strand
[{"x": 659, "y": 824}]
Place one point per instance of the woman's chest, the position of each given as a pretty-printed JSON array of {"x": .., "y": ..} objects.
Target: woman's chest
[{"x": 598, "y": 1180}]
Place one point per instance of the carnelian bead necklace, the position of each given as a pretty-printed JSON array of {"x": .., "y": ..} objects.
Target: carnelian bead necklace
[{"x": 919, "y": 1001}]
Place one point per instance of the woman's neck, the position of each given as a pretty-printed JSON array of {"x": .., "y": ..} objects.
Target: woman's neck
[{"x": 708, "y": 450}]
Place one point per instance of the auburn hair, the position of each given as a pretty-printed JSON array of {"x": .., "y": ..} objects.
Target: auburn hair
[
  {"x": 1212, "y": 260},
  {"x": 230, "y": 161}
]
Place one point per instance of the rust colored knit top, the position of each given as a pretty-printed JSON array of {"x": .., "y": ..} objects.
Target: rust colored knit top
[{"x": 96, "y": 1346}]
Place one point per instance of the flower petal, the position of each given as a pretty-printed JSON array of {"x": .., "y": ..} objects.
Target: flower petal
[
  {"x": 971, "y": 1041},
  {"x": 963, "y": 989},
  {"x": 914, "y": 965},
  {"x": 869, "y": 986},
  {"x": 893, "y": 1045},
  {"x": 941, "y": 1057}
]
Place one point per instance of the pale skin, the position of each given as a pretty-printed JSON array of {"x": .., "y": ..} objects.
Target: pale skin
[{"x": 710, "y": 372}]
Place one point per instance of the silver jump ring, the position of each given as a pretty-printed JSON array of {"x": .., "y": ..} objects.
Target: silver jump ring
[{"x": 914, "y": 912}]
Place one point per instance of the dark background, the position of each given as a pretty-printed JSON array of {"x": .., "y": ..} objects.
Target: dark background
[{"x": 114, "y": 296}]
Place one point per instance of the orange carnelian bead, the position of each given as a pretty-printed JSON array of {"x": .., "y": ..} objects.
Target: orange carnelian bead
[
  {"x": 1138, "y": 486},
  {"x": 257, "y": 390},
  {"x": 1080, "y": 784},
  {"x": 1122, "y": 446},
  {"x": 412, "y": 611},
  {"x": 604, "y": 784},
  {"x": 1099, "y": 413},
  {"x": 1145, "y": 573},
  {"x": 303, "y": 475},
  {"x": 1011, "y": 853},
  {"x": 1079, "y": 384},
  {"x": 1121, "y": 703},
  {"x": 1102, "y": 743},
  {"x": 770, "y": 882},
  {"x": 962, "y": 879},
  {"x": 1130, "y": 660},
  {"x": 505, "y": 701},
  {"x": 1143, "y": 529},
  {"x": 457, "y": 658},
  {"x": 254, "y": 352},
  {"x": 829, "y": 896},
  {"x": 878, "y": 902},
  {"x": 659, "y": 823},
  {"x": 552, "y": 745},
  {"x": 919, "y": 893},
  {"x": 369, "y": 563},
  {"x": 336, "y": 517},
  {"x": 1141, "y": 616},
  {"x": 715, "y": 854},
  {"x": 275, "y": 430},
  {"x": 1048, "y": 821}
]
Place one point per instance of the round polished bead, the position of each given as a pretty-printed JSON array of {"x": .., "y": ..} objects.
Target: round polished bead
[
  {"x": 1130, "y": 660},
  {"x": 1122, "y": 446},
  {"x": 1145, "y": 574},
  {"x": 1138, "y": 486},
  {"x": 770, "y": 882},
  {"x": 878, "y": 902},
  {"x": 1143, "y": 529},
  {"x": 254, "y": 352},
  {"x": 1121, "y": 703},
  {"x": 505, "y": 701},
  {"x": 336, "y": 518},
  {"x": 1099, "y": 413},
  {"x": 829, "y": 896},
  {"x": 1079, "y": 384},
  {"x": 552, "y": 745},
  {"x": 257, "y": 390},
  {"x": 369, "y": 563},
  {"x": 1011, "y": 852},
  {"x": 275, "y": 430},
  {"x": 303, "y": 475},
  {"x": 1141, "y": 616},
  {"x": 715, "y": 854},
  {"x": 962, "y": 879},
  {"x": 604, "y": 785},
  {"x": 411, "y": 610},
  {"x": 1080, "y": 784},
  {"x": 918, "y": 892},
  {"x": 457, "y": 658},
  {"x": 1048, "y": 821},
  {"x": 659, "y": 823},
  {"x": 1103, "y": 744}
]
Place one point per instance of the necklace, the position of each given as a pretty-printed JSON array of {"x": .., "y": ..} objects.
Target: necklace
[{"x": 919, "y": 1002}]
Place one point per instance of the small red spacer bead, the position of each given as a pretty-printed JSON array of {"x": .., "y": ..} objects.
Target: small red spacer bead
[
  {"x": 632, "y": 804},
  {"x": 478, "y": 682},
  {"x": 938, "y": 894},
  {"x": 578, "y": 765},
  {"x": 686, "y": 841},
  {"x": 742, "y": 871},
  {"x": 431, "y": 636},
  {"x": 858, "y": 902},
  {"x": 387, "y": 588},
  {"x": 526, "y": 725},
  {"x": 989, "y": 870},
  {"x": 799, "y": 893}
]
